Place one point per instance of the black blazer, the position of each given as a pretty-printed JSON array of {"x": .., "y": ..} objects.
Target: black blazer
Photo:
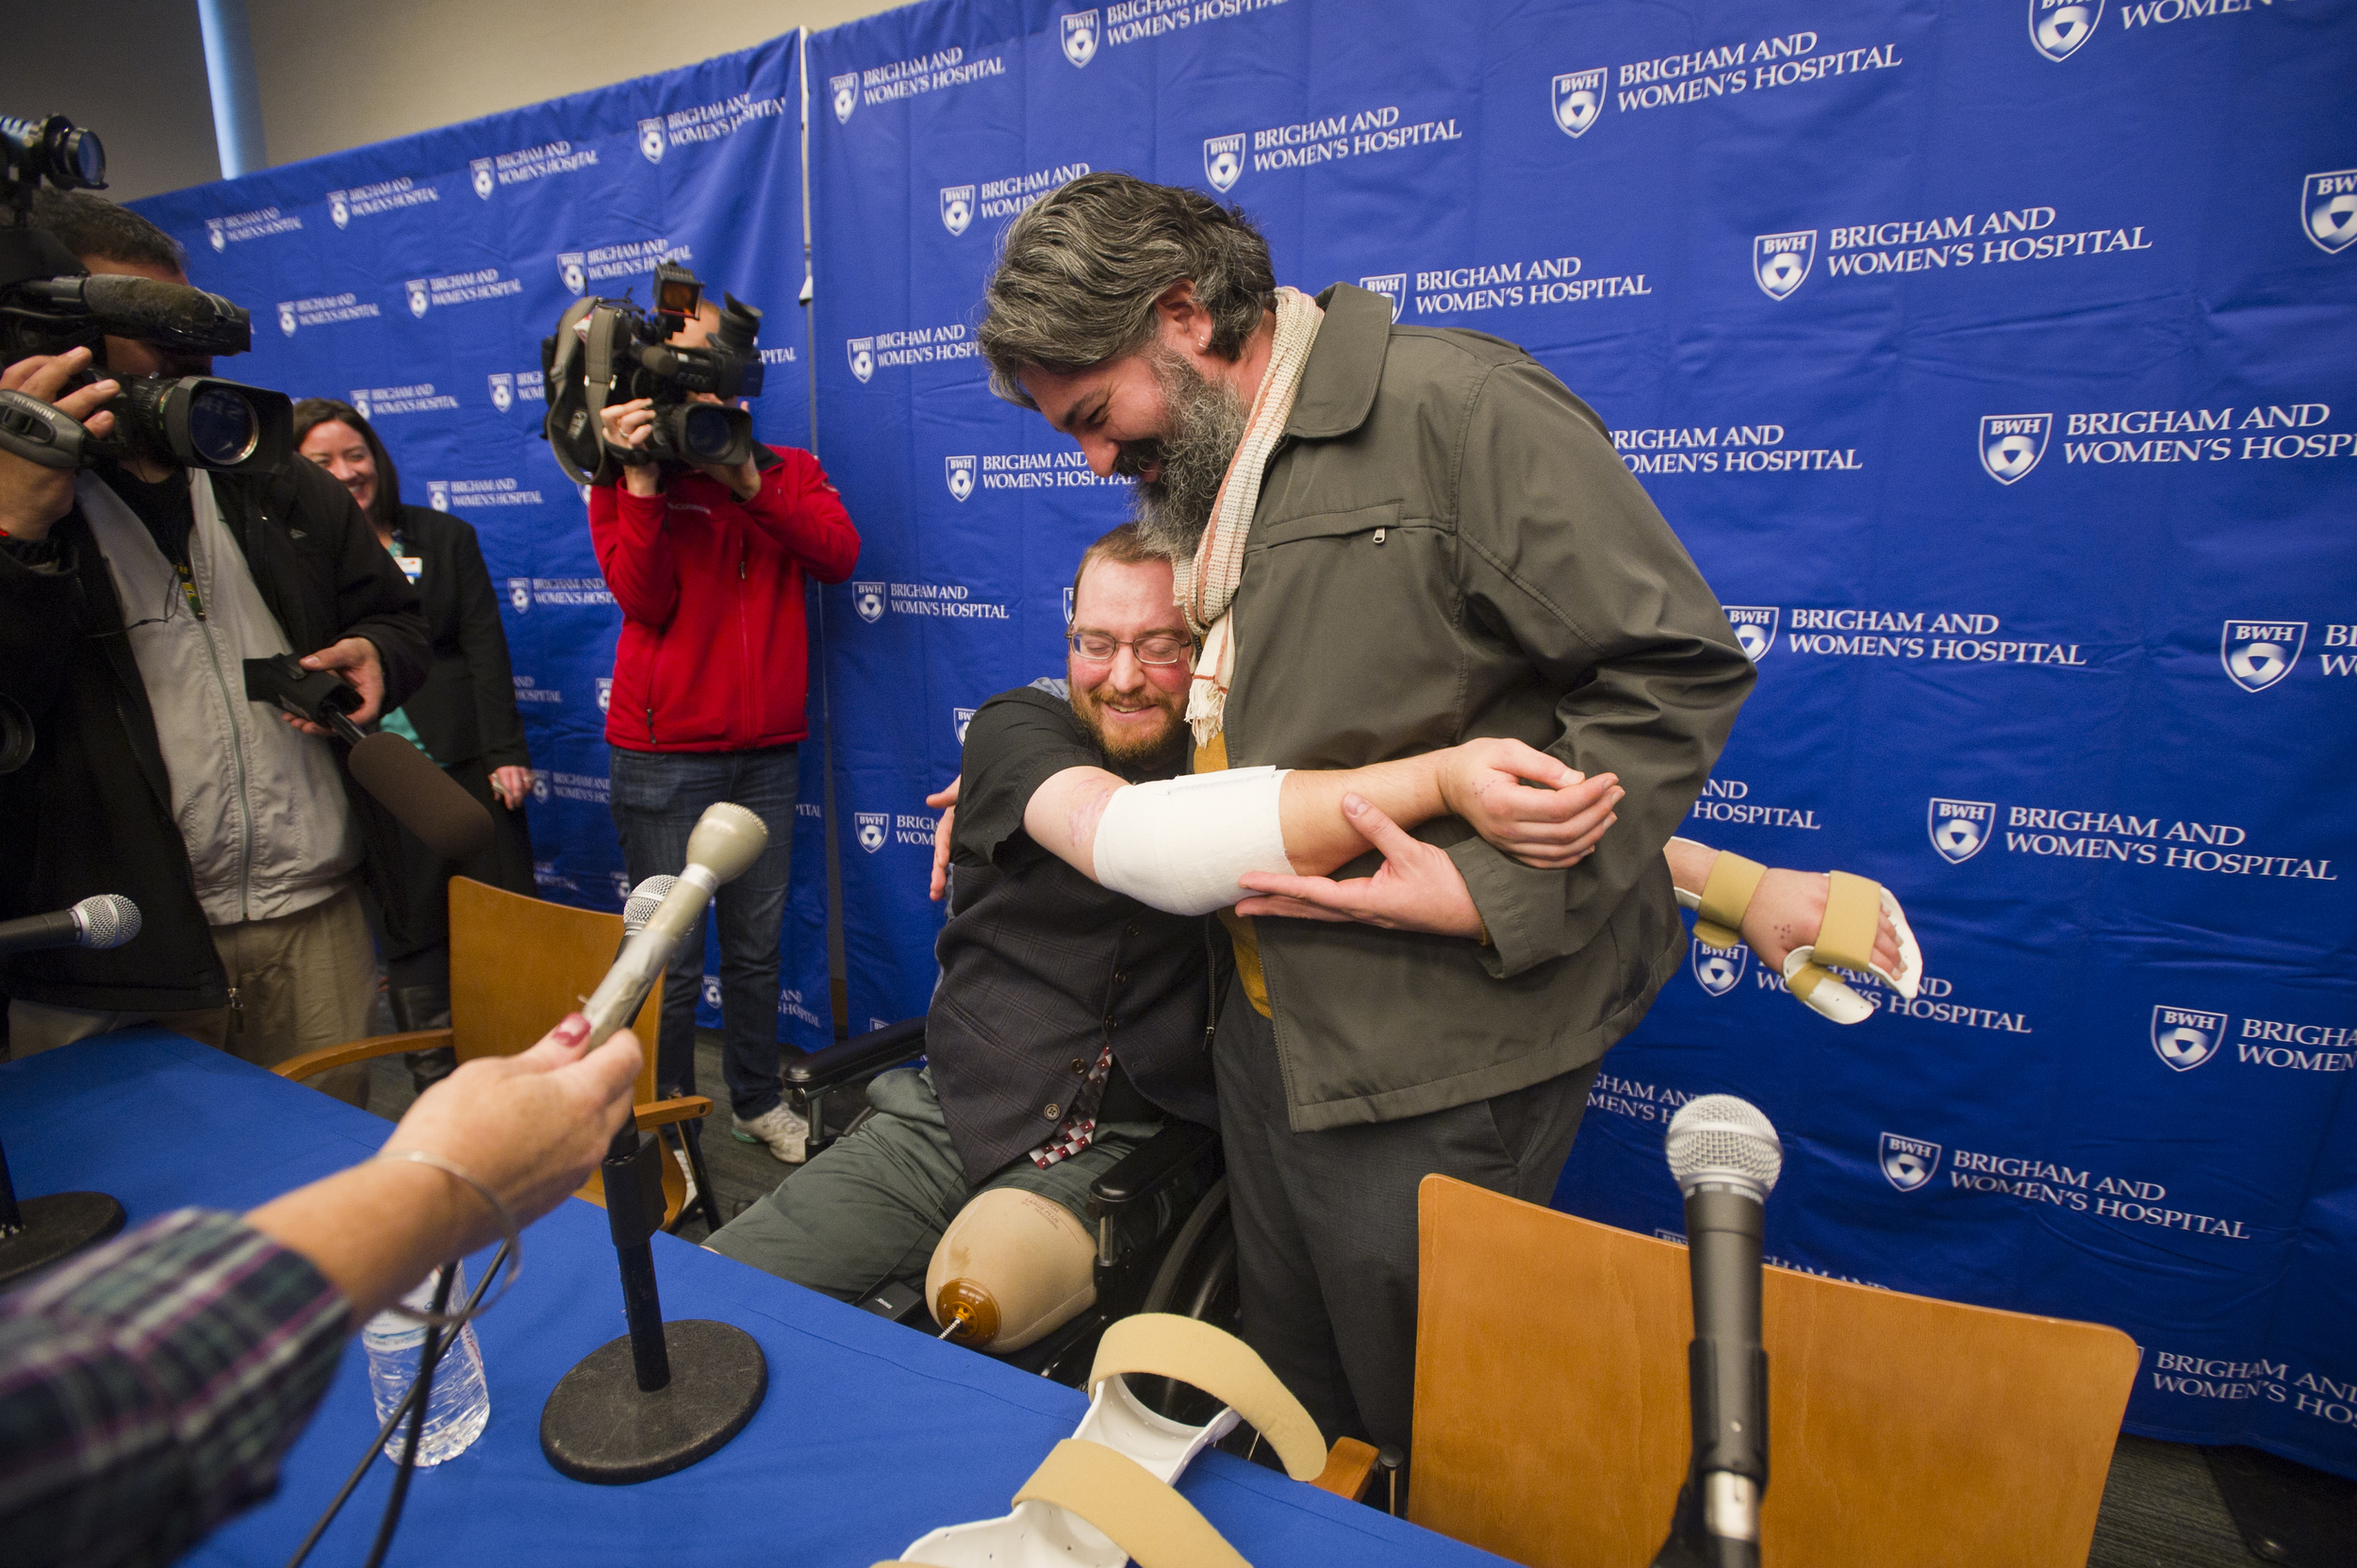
[{"x": 466, "y": 711}]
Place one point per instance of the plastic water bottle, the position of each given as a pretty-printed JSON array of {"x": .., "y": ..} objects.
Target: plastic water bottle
[{"x": 459, "y": 1405}]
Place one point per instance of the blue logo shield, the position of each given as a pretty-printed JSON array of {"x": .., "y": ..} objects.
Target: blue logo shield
[
  {"x": 1719, "y": 970},
  {"x": 1578, "y": 101},
  {"x": 2258, "y": 653},
  {"x": 2184, "y": 1037},
  {"x": 1909, "y": 1162},
  {"x": 1079, "y": 37},
  {"x": 1780, "y": 262},
  {"x": 2011, "y": 444},
  {"x": 2328, "y": 210},
  {"x": 1961, "y": 828},
  {"x": 2058, "y": 28}
]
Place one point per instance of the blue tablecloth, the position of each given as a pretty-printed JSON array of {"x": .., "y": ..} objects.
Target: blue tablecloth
[{"x": 871, "y": 1434}]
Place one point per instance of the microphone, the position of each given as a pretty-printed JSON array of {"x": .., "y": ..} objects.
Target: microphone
[
  {"x": 726, "y": 840},
  {"x": 1726, "y": 1158},
  {"x": 101, "y": 921},
  {"x": 643, "y": 901}
]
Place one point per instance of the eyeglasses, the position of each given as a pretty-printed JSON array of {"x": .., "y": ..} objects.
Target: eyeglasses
[{"x": 1163, "y": 647}]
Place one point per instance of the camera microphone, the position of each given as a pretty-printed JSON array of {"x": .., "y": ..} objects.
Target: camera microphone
[
  {"x": 1726, "y": 1158},
  {"x": 169, "y": 315},
  {"x": 101, "y": 921}
]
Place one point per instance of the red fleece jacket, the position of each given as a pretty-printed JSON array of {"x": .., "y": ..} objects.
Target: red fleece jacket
[{"x": 715, "y": 654}]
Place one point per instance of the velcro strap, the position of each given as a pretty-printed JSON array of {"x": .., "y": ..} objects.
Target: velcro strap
[
  {"x": 1854, "y": 907},
  {"x": 1806, "y": 978},
  {"x": 1153, "y": 1524},
  {"x": 1711, "y": 934},
  {"x": 1224, "y": 1367},
  {"x": 1728, "y": 893}
]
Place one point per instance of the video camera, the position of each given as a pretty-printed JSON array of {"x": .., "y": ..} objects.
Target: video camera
[
  {"x": 49, "y": 303},
  {"x": 608, "y": 351}
]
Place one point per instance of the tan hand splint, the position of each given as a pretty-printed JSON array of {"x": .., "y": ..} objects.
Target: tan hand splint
[
  {"x": 1845, "y": 937},
  {"x": 1105, "y": 1496}
]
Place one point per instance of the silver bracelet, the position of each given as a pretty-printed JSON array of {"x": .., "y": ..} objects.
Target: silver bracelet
[{"x": 513, "y": 1247}]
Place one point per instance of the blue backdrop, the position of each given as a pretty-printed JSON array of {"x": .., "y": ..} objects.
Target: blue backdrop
[
  {"x": 1992, "y": 361},
  {"x": 416, "y": 278}
]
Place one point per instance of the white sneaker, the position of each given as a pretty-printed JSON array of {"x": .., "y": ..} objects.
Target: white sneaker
[{"x": 781, "y": 1128}]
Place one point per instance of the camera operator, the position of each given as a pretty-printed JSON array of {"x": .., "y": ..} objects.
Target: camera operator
[
  {"x": 130, "y": 592},
  {"x": 464, "y": 716},
  {"x": 708, "y": 563}
]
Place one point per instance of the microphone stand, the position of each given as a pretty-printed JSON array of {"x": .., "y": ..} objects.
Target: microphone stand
[
  {"x": 38, "y": 1232},
  {"x": 663, "y": 1396}
]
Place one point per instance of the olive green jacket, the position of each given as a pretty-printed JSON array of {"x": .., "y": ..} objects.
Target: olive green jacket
[{"x": 1447, "y": 547}]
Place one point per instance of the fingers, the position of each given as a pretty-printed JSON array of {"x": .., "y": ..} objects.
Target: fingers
[
  {"x": 560, "y": 1046},
  {"x": 611, "y": 1072},
  {"x": 947, "y": 795},
  {"x": 1526, "y": 761},
  {"x": 1292, "y": 909},
  {"x": 1376, "y": 828}
]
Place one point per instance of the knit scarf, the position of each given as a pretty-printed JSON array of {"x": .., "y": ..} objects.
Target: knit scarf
[{"x": 1206, "y": 585}]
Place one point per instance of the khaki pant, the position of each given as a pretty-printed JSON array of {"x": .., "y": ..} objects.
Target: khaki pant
[{"x": 297, "y": 983}]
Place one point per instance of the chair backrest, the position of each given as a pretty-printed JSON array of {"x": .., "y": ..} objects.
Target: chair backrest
[
  {"x": 1552, "y": 1421},
  {"x": 518, "y": 965}
]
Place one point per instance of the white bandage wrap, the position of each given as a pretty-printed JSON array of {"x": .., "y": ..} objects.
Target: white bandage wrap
[{"x": 1180, "y": 845}]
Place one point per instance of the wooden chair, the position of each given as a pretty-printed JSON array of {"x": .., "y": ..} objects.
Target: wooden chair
[
  {"x": 1552, "y": 1421},
  {"x": 516, "y": 965}
]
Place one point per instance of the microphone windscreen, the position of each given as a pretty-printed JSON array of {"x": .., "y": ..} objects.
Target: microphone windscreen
[
  {"x": 1721, "y": 1138},
  {"x": 727, "y": 838},
  {"x": 109, "y": 920},
  {"x": 172, "y": 313},
  {"x": 421, "y": 797}
]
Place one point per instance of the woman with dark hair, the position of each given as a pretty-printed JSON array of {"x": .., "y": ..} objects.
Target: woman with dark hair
[{"x": 464, "y": 716}]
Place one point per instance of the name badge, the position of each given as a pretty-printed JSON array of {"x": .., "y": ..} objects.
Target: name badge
[{"x": 411, "y": 566}]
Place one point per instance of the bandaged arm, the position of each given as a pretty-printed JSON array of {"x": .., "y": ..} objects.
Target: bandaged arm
[{"x": 1180, "y": 845}]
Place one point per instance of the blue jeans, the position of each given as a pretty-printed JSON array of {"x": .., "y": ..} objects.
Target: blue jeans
[{"x": 657, "y": 798}]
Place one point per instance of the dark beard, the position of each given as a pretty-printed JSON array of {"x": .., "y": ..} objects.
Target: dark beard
[
  {"x": 1206, "y": 426},
  {"x": 1136, "y": 762}
]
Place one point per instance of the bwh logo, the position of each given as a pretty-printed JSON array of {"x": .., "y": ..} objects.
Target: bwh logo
[
  {"x": 287, "y": 316},
  {"x": 1079, "y": 37},
  {"x": 539, "y": 787},
  {"x": 503, "y": 390},
  {"x": 2011, "y": 444},
  {"x": 605, "y": 693},
  {"x": 568, "y": 267},
  {"x": 651, "y": 139},
  {"x": 2059, "y": 27},
  {"x": 338, "y": 211},
  {"x": 359, "y": 400},
  {"x": 1755, "y": 627},
  {"x": 1222, "y": 160},
  {"x": 216, "y": 231},
  {"x": 2328, "y": 210},
  {"x": 2258, "y": 653},
  {"x": 712, "y": 990},
  {"x": 483, "y": 182},
  {"x": 1578, "y": 101},
  {"x": 519, "y": 593},
  {"x": 957, "y": 207},
  {"x": 418, "y": 300},
  {"x": 862, "y": 352},
  {"x": 437, "y": 494},
  {"x": 1719, "y": 970},
  {"x": 1780, "y": 262},
  {"x": 845, "y": 91},
  {"x": 1960, "y": 829},
  {"x": 1909, "y": 1162},
  {"x": 869, "y": 600},
  {"x": 1393, "y": 287},
  {"x": 871, "y": 829},
  {"x": 959, "y": 720},
  {"x": 960, "y": 473},
  {"x": 2184, "y": 1037}
]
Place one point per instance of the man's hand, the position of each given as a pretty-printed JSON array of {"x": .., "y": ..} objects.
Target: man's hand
[
  {"x": 1417, "y": 887},
  {"x": 32, "y": 497},
  {"x": 946, "y": 801},
  {"x": 1555, "y": 825},
  {"x": 356, "y": 660},
  {"x": 1786, "y": 910},
  {"x": 511, "y": 784},
  {"x": 629, "y": 425}
]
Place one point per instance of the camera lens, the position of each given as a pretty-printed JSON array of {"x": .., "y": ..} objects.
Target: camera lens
[
  {"x": 222, "y": 426},
  {"x": 704, "y": 431}
]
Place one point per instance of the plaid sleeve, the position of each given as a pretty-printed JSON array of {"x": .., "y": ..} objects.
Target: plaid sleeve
[{"x": 149, "y": 1390}]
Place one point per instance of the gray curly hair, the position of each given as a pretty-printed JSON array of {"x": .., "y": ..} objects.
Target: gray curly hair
[{"x": 1079, "y": 270}]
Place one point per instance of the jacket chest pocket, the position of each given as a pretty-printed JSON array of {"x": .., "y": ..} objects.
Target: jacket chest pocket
[{"x": 1349, "y": 646}]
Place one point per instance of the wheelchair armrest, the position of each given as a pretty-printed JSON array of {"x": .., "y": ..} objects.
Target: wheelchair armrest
[
  {"x": 861, "y": 1056},
  {"x": 1152, "y": 1166}
]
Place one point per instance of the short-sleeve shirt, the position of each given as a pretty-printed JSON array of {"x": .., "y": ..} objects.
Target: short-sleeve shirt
[{"x": 1041, "y": 967}]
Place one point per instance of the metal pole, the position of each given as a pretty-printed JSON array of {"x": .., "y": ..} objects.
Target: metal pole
[{"x": 236, "y": 102}]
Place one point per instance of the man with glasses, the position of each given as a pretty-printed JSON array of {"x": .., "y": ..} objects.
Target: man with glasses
[{"x": 1071, "y": 1020}]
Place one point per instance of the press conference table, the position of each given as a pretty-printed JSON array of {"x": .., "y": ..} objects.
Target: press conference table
[{"x": 872, "y": 1433}]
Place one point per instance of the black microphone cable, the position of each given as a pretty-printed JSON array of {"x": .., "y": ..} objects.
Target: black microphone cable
[
  {"x": 423, "y": 1387},
  {"x": 413, "y": 1400}
]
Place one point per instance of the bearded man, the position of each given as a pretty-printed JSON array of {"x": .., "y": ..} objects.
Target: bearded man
[
  {"x": 1070, "y": 1019},
  {"x": 1392, "y": 540}
]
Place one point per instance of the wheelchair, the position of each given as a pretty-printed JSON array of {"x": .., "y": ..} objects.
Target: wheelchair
[{"x": 1188, "y": 1267}]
